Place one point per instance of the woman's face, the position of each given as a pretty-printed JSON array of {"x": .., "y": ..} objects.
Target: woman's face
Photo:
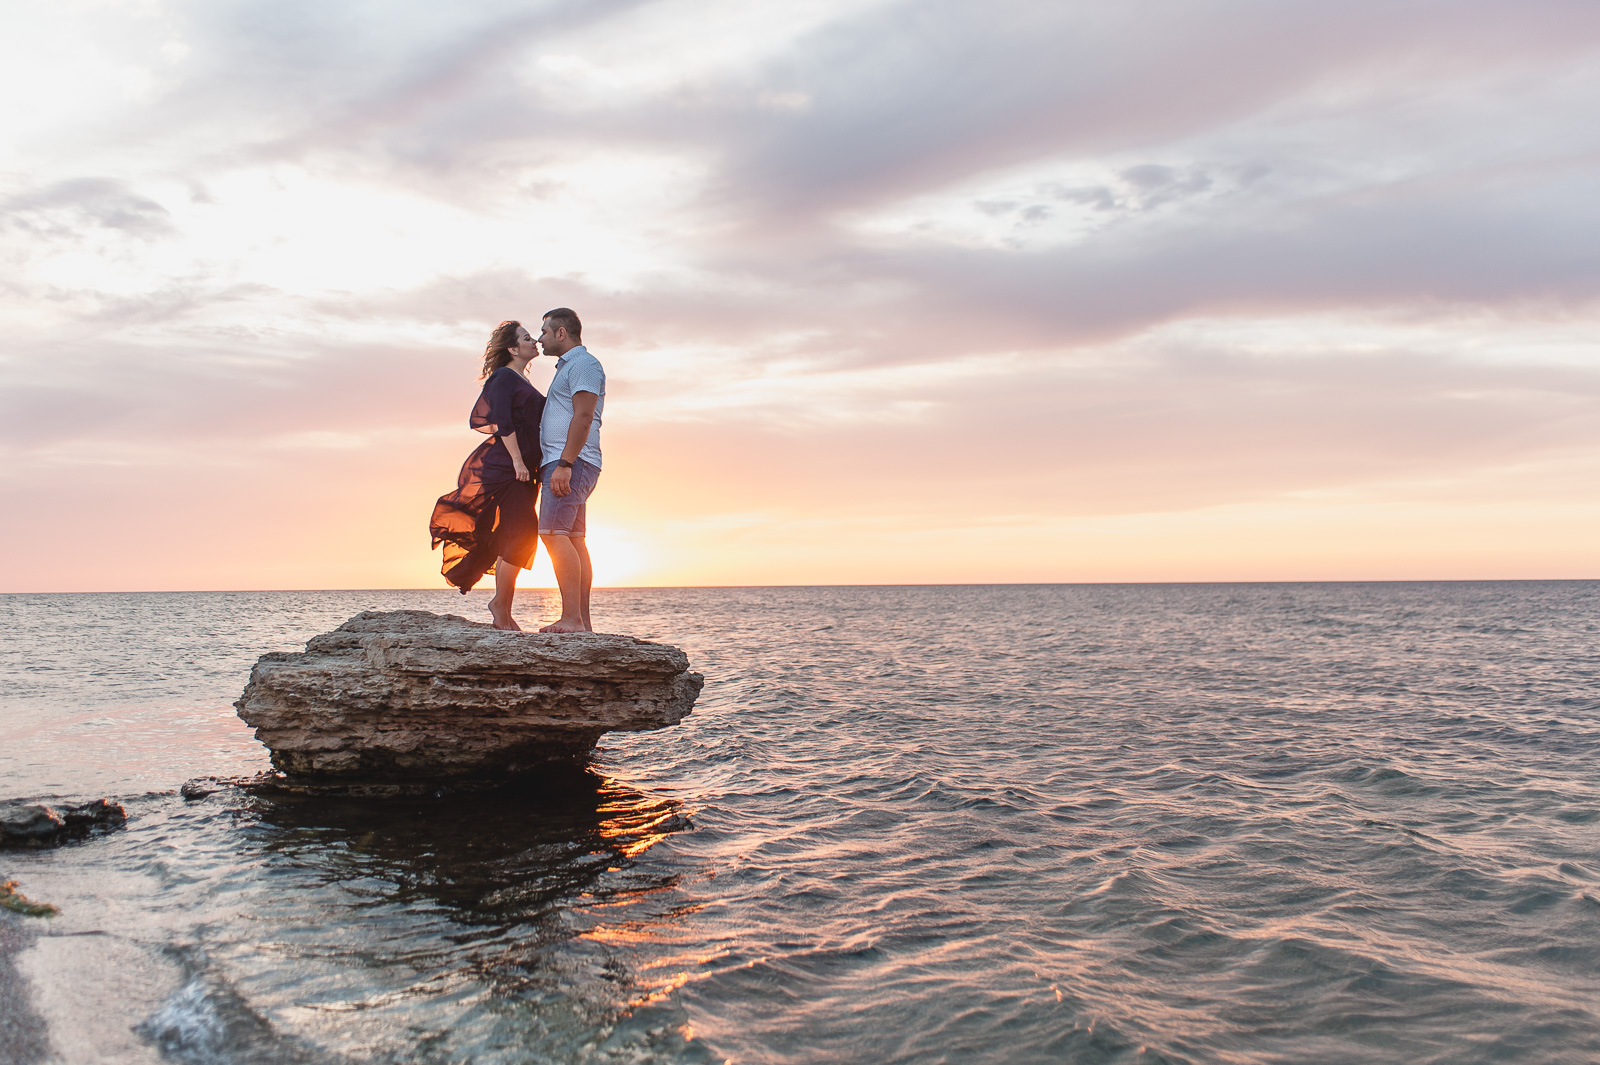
[{"x": 526, "y": 348}]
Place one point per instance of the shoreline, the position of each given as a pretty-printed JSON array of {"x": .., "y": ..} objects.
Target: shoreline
[
  {"x": 24, "y": 1035},
  {"x": 77, "y": 993}
]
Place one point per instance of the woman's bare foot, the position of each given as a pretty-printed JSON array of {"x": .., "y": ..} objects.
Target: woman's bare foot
[
  {"x": 505, "y": 591},
  {"x": 564, "y": 625}
]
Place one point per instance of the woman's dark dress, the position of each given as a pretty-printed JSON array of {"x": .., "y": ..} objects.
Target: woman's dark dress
[{"x": 491, "y": 514}]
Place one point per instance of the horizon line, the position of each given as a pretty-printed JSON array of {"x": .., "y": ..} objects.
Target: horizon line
[{"x": 901, "y": 584}]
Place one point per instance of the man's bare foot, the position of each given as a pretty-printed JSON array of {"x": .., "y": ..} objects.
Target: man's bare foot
[{"x": 564, "y": 625}]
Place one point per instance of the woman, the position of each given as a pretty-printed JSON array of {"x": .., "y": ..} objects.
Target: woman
[{"x": 489, "y": 519}]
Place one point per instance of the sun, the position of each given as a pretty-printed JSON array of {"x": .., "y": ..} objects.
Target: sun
[{"x": 617, "y": 554}]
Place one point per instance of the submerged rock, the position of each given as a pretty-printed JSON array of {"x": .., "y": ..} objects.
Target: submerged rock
[
  {"x": 25, "y": 823},
  {"x": 412, "y": 701}
]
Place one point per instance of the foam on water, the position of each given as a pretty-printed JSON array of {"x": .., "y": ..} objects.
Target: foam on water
[
  {"x": 208, "y": 1024},
  {"x": 1315, "y": 823}
]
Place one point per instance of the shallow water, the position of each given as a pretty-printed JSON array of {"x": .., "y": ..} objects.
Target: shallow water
[{"x": 1189, "y": 823}]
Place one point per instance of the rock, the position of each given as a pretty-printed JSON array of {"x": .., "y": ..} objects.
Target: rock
[
  {"x": 202, "y": 788},
  {"x": 414, "y": 701},
  {"x": 36, "y": 824},
  {"x": 17, "y": 902}
]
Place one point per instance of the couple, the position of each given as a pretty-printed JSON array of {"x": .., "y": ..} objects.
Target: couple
[{"x": 542, "y": 450}]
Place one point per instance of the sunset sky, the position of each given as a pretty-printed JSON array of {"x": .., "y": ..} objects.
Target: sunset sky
[{"x": 900, "y": 292}]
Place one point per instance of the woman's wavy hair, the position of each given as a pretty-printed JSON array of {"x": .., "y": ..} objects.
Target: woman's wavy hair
[{"x": 498, "y": 353}]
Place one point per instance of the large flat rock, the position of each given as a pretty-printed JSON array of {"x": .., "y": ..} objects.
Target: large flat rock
[{"x": 407, "y": 697}]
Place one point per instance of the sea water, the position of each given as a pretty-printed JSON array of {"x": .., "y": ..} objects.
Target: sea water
[{"x": 1186, "y": 823}]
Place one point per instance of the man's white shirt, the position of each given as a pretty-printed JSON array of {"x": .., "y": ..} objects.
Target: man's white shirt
[{"x": 576, "y": 371}]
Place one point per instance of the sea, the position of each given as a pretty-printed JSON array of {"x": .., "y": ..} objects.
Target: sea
[{"x": 1233, "y": 823}]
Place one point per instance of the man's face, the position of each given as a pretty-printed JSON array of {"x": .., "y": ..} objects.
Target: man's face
[{"x": 553, "y": 340}]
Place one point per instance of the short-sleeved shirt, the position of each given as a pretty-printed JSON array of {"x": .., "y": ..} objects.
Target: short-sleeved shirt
[{"x": 576, "y": 371}]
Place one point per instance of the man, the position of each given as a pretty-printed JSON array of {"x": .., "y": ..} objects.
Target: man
[{"x": 569, "y": 444}]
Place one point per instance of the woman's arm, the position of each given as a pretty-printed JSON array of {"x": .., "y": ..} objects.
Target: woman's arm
[
  {"x": 499, "y": 392},
  {"x": 510, "y": 441}
]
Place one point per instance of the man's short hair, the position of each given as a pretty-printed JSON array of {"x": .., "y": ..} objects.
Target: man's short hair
[{"x": 566, "y": 318}]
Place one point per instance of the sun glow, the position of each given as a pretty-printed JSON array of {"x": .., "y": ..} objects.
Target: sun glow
[{"x": 619, "y": 556}]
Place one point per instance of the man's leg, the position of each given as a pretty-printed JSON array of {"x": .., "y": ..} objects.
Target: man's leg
[
  {"x": 570, "y": 569},
  {"x": 505, "y": 589},
  {"x": 563, "y": 522},
  {"x": 581, "y": 545}
]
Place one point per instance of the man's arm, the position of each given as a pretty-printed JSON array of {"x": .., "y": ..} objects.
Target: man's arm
[{"x": 583, "y": 404}]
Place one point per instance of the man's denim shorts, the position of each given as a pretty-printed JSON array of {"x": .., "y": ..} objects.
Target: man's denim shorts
[{"x": 565, "y": 515}]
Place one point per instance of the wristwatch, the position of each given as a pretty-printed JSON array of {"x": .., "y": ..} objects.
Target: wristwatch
[{"x": 564, "y": 462}]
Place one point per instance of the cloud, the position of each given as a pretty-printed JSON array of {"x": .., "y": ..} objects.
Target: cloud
[
  {"x": 909, "y": 96},
  {"x": 66, "y": 208},
  {"x": 1152, "y": 255}
]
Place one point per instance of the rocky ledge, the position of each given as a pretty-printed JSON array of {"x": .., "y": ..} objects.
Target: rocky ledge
[{"x": 409, "y": 701}]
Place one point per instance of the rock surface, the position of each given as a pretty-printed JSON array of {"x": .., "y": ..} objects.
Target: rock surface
[
  {"x": 411, "y": 699},
  {"x": 24, "y": 823}
]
